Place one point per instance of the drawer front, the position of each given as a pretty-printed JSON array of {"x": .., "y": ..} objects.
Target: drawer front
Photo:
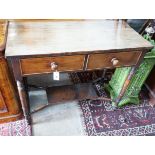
[
  {"x": 111, "y": 60},
  {"x": 51, "y": 64}
]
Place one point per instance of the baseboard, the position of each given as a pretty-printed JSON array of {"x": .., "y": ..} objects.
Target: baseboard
[{"x": 11, "y": 118}]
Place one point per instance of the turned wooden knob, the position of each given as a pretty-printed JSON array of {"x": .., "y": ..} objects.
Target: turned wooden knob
[
  {"x": 114, "y": 61},
  {"x": 54, "y": 66}
]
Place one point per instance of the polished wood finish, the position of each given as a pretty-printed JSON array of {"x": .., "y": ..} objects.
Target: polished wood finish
[
  {"x": 31, "y": 43},
  {"x": 23, "y": 99},
  {"x": 9, "y": 106},
  {"x": 128, "y": 79},
  {"x": 72, "y": 37},
  {"x": 112, "y": 60},
  {"x": 2, "y": 32},
  {"x": 10, "y": 109},
  {"x": 3, "y": 35},
  {"x": 16, "y": 71},
  {"x": 41, "y": 65},
  {"x": 44, "y": 65}
]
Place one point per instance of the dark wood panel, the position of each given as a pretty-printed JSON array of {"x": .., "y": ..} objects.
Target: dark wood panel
[
  {"x": 50, "y": 64},
  {"x": 71, "y": 37},
  {"x": 10, "y": 105},
  {"x": 112, "y": 60}
]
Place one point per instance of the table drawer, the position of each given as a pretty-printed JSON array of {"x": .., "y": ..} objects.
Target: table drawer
[
  {"x": 50, "y": 64},
  {"x": 111, "y": 60}
]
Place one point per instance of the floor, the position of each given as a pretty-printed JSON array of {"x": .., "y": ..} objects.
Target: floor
[
  {"x": 58, "y": 119},
  {"x": 58, "y": 116}
]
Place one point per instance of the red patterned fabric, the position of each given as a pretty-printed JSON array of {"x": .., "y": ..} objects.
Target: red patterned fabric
[
  {"x": 17, "y": 128},
  {"x": 102, "y": 120}
]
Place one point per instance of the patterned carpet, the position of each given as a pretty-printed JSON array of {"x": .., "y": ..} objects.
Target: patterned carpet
[
  {"x": 102, "y": 120},
  {"x": 17, "y": 128},
  {"x": 99, "y": 116}
]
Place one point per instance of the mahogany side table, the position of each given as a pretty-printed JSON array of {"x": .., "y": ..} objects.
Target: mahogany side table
[{"x": 42, "y": 47}]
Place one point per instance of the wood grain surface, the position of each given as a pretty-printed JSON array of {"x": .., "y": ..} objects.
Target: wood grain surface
[
  {"x": 99, "y": 61},
  {"x": 9, "y": 106},
  {"x": 3, "y": 36},
  {"x": 43, "y": 65},
  {"x": 71, "y": 37}
]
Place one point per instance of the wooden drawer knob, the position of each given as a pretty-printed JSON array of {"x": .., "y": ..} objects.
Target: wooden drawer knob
[
  {"x": 114, "y": 61},
  {"x": 54, "y": 66}
]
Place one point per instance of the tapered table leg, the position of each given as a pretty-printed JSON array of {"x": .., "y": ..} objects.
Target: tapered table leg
[
  {"x": 128, "y": 79},
  {"x": 15, "y": 67}
]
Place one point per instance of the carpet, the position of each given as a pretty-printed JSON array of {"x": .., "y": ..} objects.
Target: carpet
[
  {"x": 100, "y": 119},
  {"x": 17, "y": 128}
]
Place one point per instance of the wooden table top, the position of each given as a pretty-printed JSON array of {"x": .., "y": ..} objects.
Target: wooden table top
[{"x": 71, "y": 37}]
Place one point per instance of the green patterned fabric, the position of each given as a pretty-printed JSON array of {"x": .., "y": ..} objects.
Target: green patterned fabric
[{"x": 132, "y": 93}]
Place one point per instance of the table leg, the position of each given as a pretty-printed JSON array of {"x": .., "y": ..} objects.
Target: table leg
[
  {"x": 15, "y": 67},
  {"x": 125, "y": 86},
  {"x": 128, "y": 79},
  {"x": 101, "y": 78},
  {"x": 24, "y": 102}
]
